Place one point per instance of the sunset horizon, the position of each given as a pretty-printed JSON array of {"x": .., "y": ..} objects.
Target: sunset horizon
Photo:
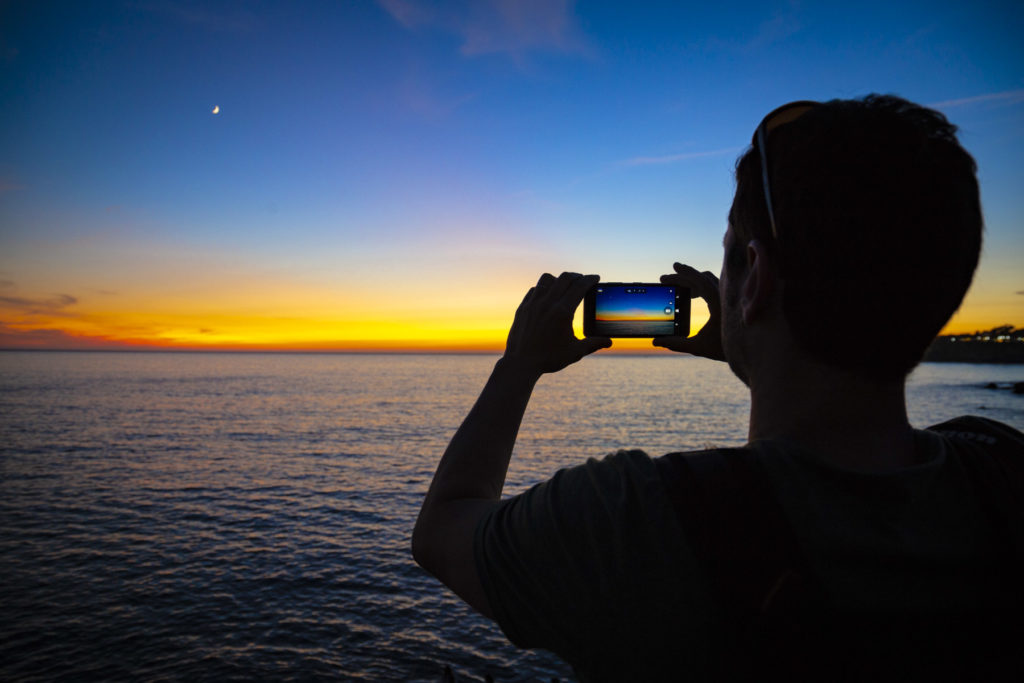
[
  {"x": 51, "y": 340},
  {"x": 395, "y": 176}
]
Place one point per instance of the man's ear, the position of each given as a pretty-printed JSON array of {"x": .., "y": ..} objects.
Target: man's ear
[{"x": 760, "y": 284}]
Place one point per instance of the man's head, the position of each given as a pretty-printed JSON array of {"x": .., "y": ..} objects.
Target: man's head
[{"x": 878, "y": 229}]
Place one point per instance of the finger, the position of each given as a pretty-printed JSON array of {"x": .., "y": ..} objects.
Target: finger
[
  {"x": 544, "y": 285},
  {"x": 696, "y": 289},
  {"x": 687, "y": 274},
  {"x": 578, "y": 289},
  {"x": 588, "y": 345},
  {"x": 563, "y": 283},
  {"x": 702, "y": 285},
  {"x": 545, "y": 281},
  {"x": 694, "y": 275},
  {"x": 530, "y": 295}
]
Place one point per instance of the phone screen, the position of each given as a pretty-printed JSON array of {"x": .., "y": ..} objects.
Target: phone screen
[{"x": 636, "y": 310}]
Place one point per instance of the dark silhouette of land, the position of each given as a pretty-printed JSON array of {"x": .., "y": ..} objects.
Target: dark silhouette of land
[{"x": 999, "y": 345}]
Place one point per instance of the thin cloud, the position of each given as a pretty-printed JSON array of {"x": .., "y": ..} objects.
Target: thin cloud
[
  {"x": 675, "y": 158},
  {"x": 517, "y": 26},
  {"x": 782, "y": 25},
  {"x": 54, "y": 305},
  {"x": 513, "y": 27},
  {"x": 197, "y": 14},
  {"x": 407, "y": 13},
  {"x": 48, "y": 338},
  {"x": 420, "y": 98},
  {"x": 1006, "y": 97},
  {"x": 777, "y": 29}
]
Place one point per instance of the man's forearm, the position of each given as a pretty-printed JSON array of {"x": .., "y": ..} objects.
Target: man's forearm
[
  {"x": 468, "y": 481},
  {"x": 476, "y": 461}
]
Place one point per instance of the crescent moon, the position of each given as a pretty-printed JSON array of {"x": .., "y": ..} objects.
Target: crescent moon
[{"x": 216, "y": 109}]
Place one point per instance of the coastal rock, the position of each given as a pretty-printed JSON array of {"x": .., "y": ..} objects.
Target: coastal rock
[{"x": 1014, "y": 387}]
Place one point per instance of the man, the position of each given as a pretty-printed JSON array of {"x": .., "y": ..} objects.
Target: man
[{"x": 839, "y": 543}]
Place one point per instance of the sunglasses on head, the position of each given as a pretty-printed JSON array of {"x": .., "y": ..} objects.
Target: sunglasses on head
[{"x": 787, "y": 113}]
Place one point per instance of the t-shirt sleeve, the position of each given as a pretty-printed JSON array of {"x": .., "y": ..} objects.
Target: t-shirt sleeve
[
  {"x": 984, "y": 432},
  {"x": 566, "y": 564}
]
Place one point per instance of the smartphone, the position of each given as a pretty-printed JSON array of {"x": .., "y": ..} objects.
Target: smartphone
[{"x": 636, "y": 309}]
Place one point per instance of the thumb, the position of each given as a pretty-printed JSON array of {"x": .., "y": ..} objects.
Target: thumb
[
  {"x": 672, "y": 343},
  {"x": 588, "y": 345}
]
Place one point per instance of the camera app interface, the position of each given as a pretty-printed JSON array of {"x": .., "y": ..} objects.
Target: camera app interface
[{"x": 640, "y": 311}]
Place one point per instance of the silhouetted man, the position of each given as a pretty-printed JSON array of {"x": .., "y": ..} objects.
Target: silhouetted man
[{"x": 839, "y": 543}]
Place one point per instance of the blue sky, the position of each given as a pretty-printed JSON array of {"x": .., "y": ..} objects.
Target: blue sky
[{"x": 447, "y": 152}]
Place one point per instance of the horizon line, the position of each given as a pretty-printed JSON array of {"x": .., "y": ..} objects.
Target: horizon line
[
  {"x": 184, "y": 349},
  {"x": 654, "y": 351}
]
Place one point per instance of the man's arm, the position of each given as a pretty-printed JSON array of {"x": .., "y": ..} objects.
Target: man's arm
[{"x": 470, "y": 476}]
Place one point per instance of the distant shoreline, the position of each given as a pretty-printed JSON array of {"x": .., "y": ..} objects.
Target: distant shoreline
[
  {"x": 946, "y": 349},
  {"x": 951, "y": 350}
]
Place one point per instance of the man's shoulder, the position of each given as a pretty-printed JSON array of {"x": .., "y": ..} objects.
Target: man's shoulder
[
  {"x": 992, "y": 457},
  {"x": 639, "y": 466},
  {"x": 981, "y": 431},
  {"x": 992, "y": 453}
]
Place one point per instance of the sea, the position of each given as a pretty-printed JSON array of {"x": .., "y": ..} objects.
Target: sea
[{"x": 241, "y": 516}]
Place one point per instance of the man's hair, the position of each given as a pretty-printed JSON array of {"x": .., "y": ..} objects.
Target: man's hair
[{"x": 879, "y": 229}]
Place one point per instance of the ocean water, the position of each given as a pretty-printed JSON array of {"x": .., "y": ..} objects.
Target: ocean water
[{"x": 187, "y": 516}]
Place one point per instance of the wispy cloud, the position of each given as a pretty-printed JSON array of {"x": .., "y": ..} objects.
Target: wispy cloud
[
  {"x": 199, "y": 14},
  {"x": 48, "y": 338},
  {"x": 415, "y": 94},
  {"x": 408, "y": 13},
  {"x": 675, "y": 158},
  {"x": 1006, "y": 97},
  {"x": 52, "y": 306},
  {"x": 513, "y": 27},
  {"x": 781, "y": 26}
]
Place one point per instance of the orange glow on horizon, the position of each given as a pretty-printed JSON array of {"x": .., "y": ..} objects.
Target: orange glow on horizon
[
  {"x": 175, "y": 331},
  {"x": 210, "y": 311},
  {"x": 53, "y": 340}
]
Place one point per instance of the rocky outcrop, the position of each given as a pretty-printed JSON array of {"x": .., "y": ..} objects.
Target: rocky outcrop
[{"x": 952, "y": 350}]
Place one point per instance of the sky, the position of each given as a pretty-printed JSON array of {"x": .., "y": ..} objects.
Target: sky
[{"x": 394, "y": 175}]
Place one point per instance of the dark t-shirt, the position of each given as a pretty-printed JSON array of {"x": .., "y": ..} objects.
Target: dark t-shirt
[{"x": 594, "y": 566}]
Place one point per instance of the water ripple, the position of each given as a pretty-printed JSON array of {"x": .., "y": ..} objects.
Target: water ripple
[{"x": 247, "y": 517}]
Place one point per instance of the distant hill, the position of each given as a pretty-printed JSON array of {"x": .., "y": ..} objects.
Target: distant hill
[{"x": 998, "y": 345}]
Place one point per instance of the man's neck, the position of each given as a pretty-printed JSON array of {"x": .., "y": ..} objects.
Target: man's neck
[{"x": 845, "y": 420}]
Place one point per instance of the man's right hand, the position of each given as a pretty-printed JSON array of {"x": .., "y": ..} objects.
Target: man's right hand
[
  {"x": 708, "y": 341},
  {"x": 541, "y": 338}
]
